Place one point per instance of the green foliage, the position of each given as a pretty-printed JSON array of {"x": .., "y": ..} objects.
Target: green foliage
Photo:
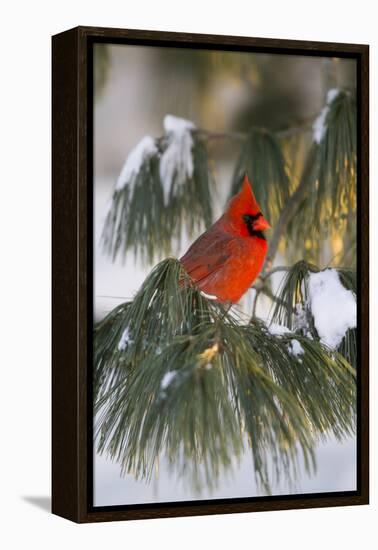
[
  {"x": 292, "y": 308},
  {"x": 348, "y": 347},
  {"x": 159, "y": 310},
  {"x": 195, "y": 383},
  {"x": 336, "y": 192},
  {"x": 140, "y": 221},
  {"x": 190, "y": 204},
  {"x": 134, "y": 220},
  {"x": 262, "y": 159},
  {"x": 329, "y": 203}
]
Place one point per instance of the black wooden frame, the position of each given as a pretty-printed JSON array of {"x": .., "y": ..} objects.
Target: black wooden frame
[{"x": 72, "y": 464}]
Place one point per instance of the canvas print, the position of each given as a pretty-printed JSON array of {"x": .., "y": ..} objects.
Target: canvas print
[{"x": 224, "y": 269}]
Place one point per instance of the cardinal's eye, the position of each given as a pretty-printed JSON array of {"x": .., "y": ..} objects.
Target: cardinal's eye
[{"x": 250, "y": 218}]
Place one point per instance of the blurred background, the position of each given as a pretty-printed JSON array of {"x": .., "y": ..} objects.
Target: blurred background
[{"x": 225, "y": 93}]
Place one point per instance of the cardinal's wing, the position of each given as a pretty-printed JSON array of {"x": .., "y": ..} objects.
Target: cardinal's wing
[{"x": 208, "y": 254}]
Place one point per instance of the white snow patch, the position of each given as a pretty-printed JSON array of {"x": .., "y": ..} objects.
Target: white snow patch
[
  {"x": 278, "y": 330},
  {"x": 173, "y": 124},
  {"x": 332, "y": 95},
  {"x": 143, "y": 151},
  {"x": 320, "y": 127},
  {"x": 209, "y": 296},
  {"x": 125, "y": 340},
  {"x": 295, "y": 348},
  {"x": 167, "y": 379},
  {"x": 333, "y": 307},
  {"x": 176, "y": 163}
]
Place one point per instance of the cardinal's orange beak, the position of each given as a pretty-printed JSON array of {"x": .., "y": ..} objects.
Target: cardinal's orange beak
[{"x": 261, "y": 224}]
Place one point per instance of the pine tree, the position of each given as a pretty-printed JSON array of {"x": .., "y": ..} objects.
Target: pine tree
[{"x": 178, "y": 374}]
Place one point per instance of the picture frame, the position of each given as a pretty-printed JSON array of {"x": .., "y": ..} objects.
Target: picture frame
[{"x": 72, "y": 274}]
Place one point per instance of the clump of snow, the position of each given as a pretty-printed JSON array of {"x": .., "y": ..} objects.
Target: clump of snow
[
  {"x": 295, "y": 348},
  {"x": 278, "y": 330},
  {"x": 209, "y": 296},
  {"x": 333, "y": 307},
  {"x": 320, "y": 127},
  {"x": 142, "y": 152},
  {"x": 176, "y": 125},
  {"x": 125, "y": 340},
  {"x": 332, "y": 95},
  {"x": 167, "y": 379},
  {"x": 176, "y": 163}
]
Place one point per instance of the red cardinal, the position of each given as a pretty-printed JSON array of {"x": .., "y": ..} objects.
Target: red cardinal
[{"x": 226, "y": 259}]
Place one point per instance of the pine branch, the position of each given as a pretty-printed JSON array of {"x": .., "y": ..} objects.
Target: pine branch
[
  {"x": 144, "y": 208},
  {"x": 291, "y": 208},
  {"x": 179, "y": 375},
  {"x": 262, "y": 159},
  {"x": 338, "y": 155},
  {"x": 329, "y": 205}
]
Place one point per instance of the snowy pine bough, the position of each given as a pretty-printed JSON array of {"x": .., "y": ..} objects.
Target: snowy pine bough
[{"x": 164, "y": 184}]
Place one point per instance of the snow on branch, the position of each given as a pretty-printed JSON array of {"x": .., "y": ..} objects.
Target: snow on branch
[
  {"x": 319, "y": 304},
  {"x": 164, "y": 183},
  {"x": 176, "y": 163},
  {"x": 333, "y": 307},
  {"x": 320, "y": 124},
  {"x": 142, "y": 152}
]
